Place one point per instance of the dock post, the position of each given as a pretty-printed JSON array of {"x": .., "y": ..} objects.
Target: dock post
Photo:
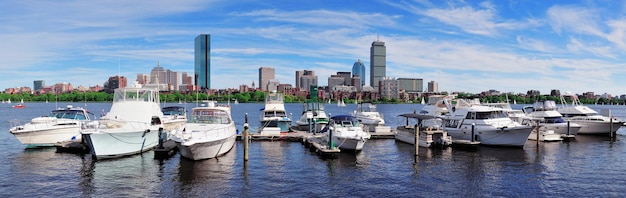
[
  {"x": 161, "y": 137},
  {"x": 245, "y": 138},
  {"x": 568, "y": 128},
  {"x": 417, "y": 137},
  {"x": 473, "y": 132},
  {"x": 537, "y": 142},
  {"x": 611, "y": 128},
  {"x": 330, "y": 139}
]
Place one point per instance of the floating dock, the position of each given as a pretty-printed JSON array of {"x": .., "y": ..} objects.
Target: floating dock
[
  {"x": 167, "y": 149},
  {"x": 314, "y": 143},
  {"x": 75, "y": 146}
]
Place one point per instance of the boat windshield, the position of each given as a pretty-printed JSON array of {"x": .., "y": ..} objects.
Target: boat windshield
[
  {"x": 134, "y": 94},
  {"x": 210, "y": 116},
  {"x": 173, "y": 110},
  {"x": 68, "y": 114},
  {"x": 486, "y": 115}
]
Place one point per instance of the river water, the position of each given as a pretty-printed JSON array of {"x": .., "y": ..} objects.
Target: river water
[{"x": 590, "y": 166}]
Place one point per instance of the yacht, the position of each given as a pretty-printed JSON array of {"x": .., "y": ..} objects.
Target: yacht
[
  {"x": 545, "y": 115},
  {"x": 367, "y": 114},
  {"x": 471, "y": 121},
  {"x": 210, "y": 132},
  {"x": 62, "y": 124},
  {"x": 174, "y": 117},
  {"x": 133, "y": 125},
  {"x": 346, "y": 133},
  {"x": 435, "y": 108},
  {"x": 313, "y": 117},
  {"x": 591, "y": 122},
  {"x": 428, "y": 136},
  {"x": 273, "y": 114}
]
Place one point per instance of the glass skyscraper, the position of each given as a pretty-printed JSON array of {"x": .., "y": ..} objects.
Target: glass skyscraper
[
  {"x": 202, "y": 53},
  {"x": 359, "y": 69},
  {"x": 378, "y": 59}
]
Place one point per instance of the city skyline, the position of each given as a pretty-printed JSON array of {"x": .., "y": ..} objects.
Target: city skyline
[{"x": 512, "y": 46}]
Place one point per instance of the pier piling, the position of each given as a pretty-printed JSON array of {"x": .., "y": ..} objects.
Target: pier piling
[{"x": 245, "y": 138}]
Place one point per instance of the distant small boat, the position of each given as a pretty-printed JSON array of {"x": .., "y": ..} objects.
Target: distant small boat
[{"x": 20, "y": 105}]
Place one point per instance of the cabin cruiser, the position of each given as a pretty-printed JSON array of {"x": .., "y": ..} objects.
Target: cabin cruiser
[
  {"x": 367, "y": 114},
  {"x": 210, "y": 132},
  {"x": 545, "y": 115},
  {"x": 273, "y": 114},
  {"x": 590, "y": 121},
  {"x": 62, "y": 124},
  {"x": 435, "y": 108},
  {"x": 174, "y": 117},
  {"x": 346, "y": 133},
  {"x": 428, "y": 136},
  {"x": 471, "y": 121},
  {"x": 313, "y": 117},
  {"x": 133, "y": 125}
]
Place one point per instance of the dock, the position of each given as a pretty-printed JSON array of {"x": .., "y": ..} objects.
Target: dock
[
  {"x": 315, "y": 144},
  {"x": 166, "y": 150},
  {"x": 74, "y": 146}
]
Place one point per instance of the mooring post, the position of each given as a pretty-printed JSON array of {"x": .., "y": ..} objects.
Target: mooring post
[
  {"x": 473, "y": 132},
  {"x": 537, "y": 131},
  {"x": 330, "y": 139},
  {"x": 611, "y": 127},
  {"x": 417, "y": 137},
  {"x": 568, "y": 128},
  {"x": 245, "y": 138}
]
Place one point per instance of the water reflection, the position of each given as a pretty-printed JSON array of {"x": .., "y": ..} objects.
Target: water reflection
[{"x": 206, "y": 178}]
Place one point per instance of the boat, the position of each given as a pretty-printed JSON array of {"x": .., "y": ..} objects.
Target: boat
[
  {"x": 346, "y": 133},
  {"x": 174, "y": 117},
  {"x": 435, "y": 108},
  {"x": 62, "y": 124},
  {"x": 273, "y": 114},
  {"x": 545, "y": 136},
  {"x": 367, "y": 114},
  {"x": 209, "y": 133},
  {"x": 471, "y": 121},
  {"x": 313, "y": 117},
  {"x": 428, "y": 136},
  {"x": 19, "y": 105},
  {"x": 545, "y": 115},
  {"x": 132, "y": 126},
  {"x": 591, "y": 122}
]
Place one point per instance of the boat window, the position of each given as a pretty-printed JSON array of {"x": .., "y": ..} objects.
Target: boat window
[
  {"x": 452, "y": 123},
  {"x": 210, "y": 117}
]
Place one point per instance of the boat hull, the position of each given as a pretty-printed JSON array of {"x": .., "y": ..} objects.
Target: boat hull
[
  {"x": 514, "y": 136},
  {"x": 349, "y": 144},
  {"x": 118, "y": 144},
  {"x": 46, "y": 137},
  {"x": 284, "y": 125},
  {"x": 207, "y": 150},
  {"x": 597, "y": 128},
  {"x": 425, "y": 139},
  {"x": 561, "y": 128}
]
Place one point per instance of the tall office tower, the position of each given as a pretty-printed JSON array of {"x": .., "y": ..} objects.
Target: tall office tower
[
  {"x": 299, "y": 75},
  {"x": 202, "y": 69},
  {"x": 39, "y": 84},
  {"x": 265, "y": 75},
  {"x": 433, "y": 87},
  {"x": 411, "y": 85},
  {"x": 359, "y": 69},
  {"x": 157, "y": 75},
  {"x": 378, "y": 63},
  {"x": 173, "y": 79},
  {"x": 307, "y": 80},
  {"x": 143, "y": 79},
  {"x": 187, "y": 80},
  {"x": 346, "y": 77}
]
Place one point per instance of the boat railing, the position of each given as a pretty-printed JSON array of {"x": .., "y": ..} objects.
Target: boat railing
[{"x": 113, "y": 124}]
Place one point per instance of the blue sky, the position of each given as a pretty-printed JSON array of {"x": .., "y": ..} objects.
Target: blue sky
[{"x": 470, "y": 46}]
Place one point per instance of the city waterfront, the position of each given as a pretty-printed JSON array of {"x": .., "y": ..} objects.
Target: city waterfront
[{"x": 590, "y": 166}]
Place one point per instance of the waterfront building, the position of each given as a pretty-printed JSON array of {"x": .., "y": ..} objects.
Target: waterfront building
[
  {"x": 158, "y": 75},
  {"x": 272, "y": 85},
  {"x": 143, "y": 79},
  {"x": 265, "y": 75},
  {"x": 202, "y": 55},
  {"x": 299, "y": 75},
  {"x": 388, "y": 87},
  {"x": 378, "y": 63},
  {"x": 335, "y": 80},
  {"x": 411, "y": 85},
  {"x": 39, "y": 84},
  {"x": 433, "y": 87},
  {"x": 359, "y": 69}
]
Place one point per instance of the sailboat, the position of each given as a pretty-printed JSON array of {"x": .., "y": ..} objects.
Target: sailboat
[
  {"x": 423, "y": 102},
  {"x": 340, "y": 103}
]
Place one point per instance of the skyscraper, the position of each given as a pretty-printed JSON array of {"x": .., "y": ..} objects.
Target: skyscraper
[
  {"x": 378, "y": 63},
  {"x": 359, "y": 69},
  {"x": 39, "y": 84},
  {"x": 265, "y": 75},
  {"x": 202, "y": 53},
  {"x": 433, "y": 87}
]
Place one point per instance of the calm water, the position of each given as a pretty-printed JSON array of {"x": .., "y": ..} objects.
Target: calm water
[{"x": 590, "y": 166}]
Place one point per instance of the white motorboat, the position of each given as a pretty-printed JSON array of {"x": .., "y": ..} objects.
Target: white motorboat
[
  {"x": 62, "y": 124},
  {"x": 313, "y": 117},
  {"x": 132, "y": 126},
  {"x": 544, "y": 114},
  {"x": 435, "y": 108},
  {"x": 545, "y": 136},
  {"x": 428, "y": 136},
  {"x": 210, "y": 133},
  {"x": 489, "y": 125},
  {"x": 274, "y": 114},
  {"x": 174, "y": 117},
  {"x": 367, "y": 114},
  {"x": 591, "y": 122},
  {"x": 346, "y": 133}
]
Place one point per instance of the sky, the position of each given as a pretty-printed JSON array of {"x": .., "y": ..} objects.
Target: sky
[{"x": 467, "y": 46}]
